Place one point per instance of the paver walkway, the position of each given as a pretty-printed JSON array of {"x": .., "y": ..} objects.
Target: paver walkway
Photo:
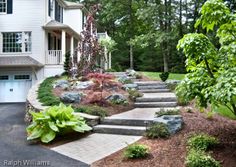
[
  {"x": 95, "y": 147},
  {"x": 109, "y": 137}
]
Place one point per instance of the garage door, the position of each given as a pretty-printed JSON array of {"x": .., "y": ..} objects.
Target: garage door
[{"x": 14, "y": 87}]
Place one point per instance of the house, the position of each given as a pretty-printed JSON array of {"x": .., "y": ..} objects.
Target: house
[{"x": 35, "y": 35}]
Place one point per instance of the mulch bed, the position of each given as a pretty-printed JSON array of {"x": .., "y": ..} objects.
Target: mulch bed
[{"x": 172, "y": 152}]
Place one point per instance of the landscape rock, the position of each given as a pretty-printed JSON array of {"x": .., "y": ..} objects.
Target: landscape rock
[
  {"x": 173, "y": 122},
  {"x": 130, "y": 86},
  {"x": 173, "y": 81},
  {"x": 71, "y": 97},
  {"x": 131, "y": 73},
  {"x": 83, "y": 85},
  {"x": 117, "y": 98},
  {"x": 125, "y": 79},
  {"x": 64, "y": 84}
]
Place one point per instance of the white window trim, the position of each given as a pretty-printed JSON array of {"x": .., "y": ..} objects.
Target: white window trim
[
  {"x": 23, "y": 43},
  {"x": 6, "y": 9}
]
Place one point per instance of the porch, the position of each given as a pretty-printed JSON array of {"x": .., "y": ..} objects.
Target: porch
[{"x": 61, "y": 40}]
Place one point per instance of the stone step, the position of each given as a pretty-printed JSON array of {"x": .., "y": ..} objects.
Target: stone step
[
  {"x": 125, "y": 121},
  {"x": 151, "y": 83},
  {"x": 119, "y": 129},
  {"x": 156, "y": 99},
  {"x": 155, "y": 104},
  {"x": 152, "y": 87},
  {"x": 154, "y": 90}
]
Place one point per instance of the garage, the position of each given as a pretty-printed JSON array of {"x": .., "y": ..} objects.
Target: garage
[{"x": 14, "y": 86}]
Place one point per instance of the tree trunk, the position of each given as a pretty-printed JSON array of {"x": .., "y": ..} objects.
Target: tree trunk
[{"x": 131, "y": 35}]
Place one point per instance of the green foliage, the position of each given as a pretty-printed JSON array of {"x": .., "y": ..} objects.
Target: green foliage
[
  {"x": 45, "y": 94},
  {"x": 201, "y": 142},
  {"x": 136, "y": 151},
  {"x": 200, "y": 159},
  {"x": 108, "y": 43},
  {"x": 167, "y": 112},
  {"x": 164, "y": 76},
  {"x": 55, "y": 120},
  {"x": 119, "y": 101},
  {"x": 92, "y": 110},
  {"x": 67, "y": 63},
  {"x": 212, "y": 76},
  {"x": 125, "y": 80},
  {"x": 157, "y": 130},
  {"x": 133, "y": 94},
  {"x": 111, "y": 70}
]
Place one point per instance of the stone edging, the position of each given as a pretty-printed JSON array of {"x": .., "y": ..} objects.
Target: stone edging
[{"x": 33, "y": 104}]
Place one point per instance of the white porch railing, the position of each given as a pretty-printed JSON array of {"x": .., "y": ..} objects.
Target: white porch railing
[{"x": 54, "y": 57}]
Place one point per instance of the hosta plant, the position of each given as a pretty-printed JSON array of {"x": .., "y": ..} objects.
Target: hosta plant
[{"x": 53, "y": 121}]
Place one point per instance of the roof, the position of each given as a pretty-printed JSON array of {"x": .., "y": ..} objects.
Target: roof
[
  {"x": 55, "y": 25},
  {"x": 19, "y": 61},
  {"x": 70, "y": 5}
]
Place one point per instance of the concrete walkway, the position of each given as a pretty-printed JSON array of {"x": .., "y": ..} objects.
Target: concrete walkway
[{"x": 95, "y": 147}]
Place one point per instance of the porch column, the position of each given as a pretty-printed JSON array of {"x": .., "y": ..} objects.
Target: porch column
[
  {"x": 63, "y": 45},
  {"x": 72, "y": 46},
  {"x": 109, "y": 60},
  {"x": 106, "y": 59}
]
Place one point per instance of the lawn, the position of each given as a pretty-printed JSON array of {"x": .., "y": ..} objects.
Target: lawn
[{"x": 155, "y": 75}]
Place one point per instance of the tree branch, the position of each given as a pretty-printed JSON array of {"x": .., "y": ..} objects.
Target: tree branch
[{"x": 208, "y": 68}]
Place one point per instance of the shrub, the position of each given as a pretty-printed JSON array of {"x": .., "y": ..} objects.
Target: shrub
[
  {"x": 157, "y": 130},
  {"x": 67, "y": 63},
  {"x": 164, "y": 76},
  {"x": 55, "y": 120},
  {"x": 167, "y": 112},
  {"x": 125, "y": 80},
  {"x": 200, "y": 159},
  {"x": 201, "y": 142},
  {"x": 133, "y": 94},
  {"x": 92, "y": 110},
  {"x": 136, "y": 151},
  {"x": 45, "y": 94},
  {"x": 119, "y": 101}
]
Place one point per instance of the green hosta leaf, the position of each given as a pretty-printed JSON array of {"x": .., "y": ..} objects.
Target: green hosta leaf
[
  {"x": 31, "y": 127},
  {"x": 86, "y": 127},
  {"x": 71, "y": 123},
  {"x": 36, "y": 133},
  {"x": 53, "y": 126},
  {"x": 48, "y": 136}
]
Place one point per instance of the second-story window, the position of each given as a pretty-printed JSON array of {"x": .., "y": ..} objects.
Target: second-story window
[
  {"x": 14, "y": 42},
  {"x": 58, "y": 12},
  {"x": 3, "y": 6}
]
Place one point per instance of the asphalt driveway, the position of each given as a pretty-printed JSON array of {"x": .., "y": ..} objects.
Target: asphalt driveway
[{"x": 16, "y": 151}]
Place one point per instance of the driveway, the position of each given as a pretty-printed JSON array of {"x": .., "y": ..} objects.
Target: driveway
[{"x": 16, "y": 151}]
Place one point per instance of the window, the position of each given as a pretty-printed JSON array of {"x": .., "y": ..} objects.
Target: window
[
  {"x": 3, "y": 6},
  {"x": 4, "y": 77},
  {"x": 21, "y": 77},
  {"x": 17, "y": 42},
  {"x": 58, "y": 12}
]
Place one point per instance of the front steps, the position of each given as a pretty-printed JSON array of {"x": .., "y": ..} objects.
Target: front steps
[
  {"x": 120, "y": 129},
  {"x": 156, "y": 95}
]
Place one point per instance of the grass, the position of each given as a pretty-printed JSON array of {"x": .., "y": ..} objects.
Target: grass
[
  {"x": 155, "y": 75},
  {"x": 224, "y": 111}
]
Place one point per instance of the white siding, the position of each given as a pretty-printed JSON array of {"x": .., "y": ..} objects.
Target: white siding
[
  {"x": 73, "y": 18},
  {"x": 28, "y": 15}
]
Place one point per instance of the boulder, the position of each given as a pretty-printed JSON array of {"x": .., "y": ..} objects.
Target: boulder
[
  {"x": 173, "y": 122},
  {"x": 172, "y": 81},
  {"x": 64, "y": 84},
  {"x": 83, "y": 85},
  {"x": 131, "y": 73},
  {"x": 116, "y": 98},
  {"x": 130, "y": 86},
  {"x": 71, "y": 97},
  {"x": 124, "y": 79}
]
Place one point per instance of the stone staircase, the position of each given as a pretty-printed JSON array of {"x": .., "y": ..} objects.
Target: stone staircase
[{"x": 156, "y": 96}]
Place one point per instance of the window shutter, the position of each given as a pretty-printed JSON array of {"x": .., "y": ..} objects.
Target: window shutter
[
  {"x": 49, "y": 7},
  {"x": 9, "y": 6}
]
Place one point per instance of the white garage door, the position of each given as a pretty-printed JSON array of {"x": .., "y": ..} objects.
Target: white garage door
[{"x": 14, "y": 87}]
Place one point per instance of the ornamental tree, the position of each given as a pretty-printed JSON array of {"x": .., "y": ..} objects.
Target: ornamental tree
[{"x": 212, "y": 70}]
